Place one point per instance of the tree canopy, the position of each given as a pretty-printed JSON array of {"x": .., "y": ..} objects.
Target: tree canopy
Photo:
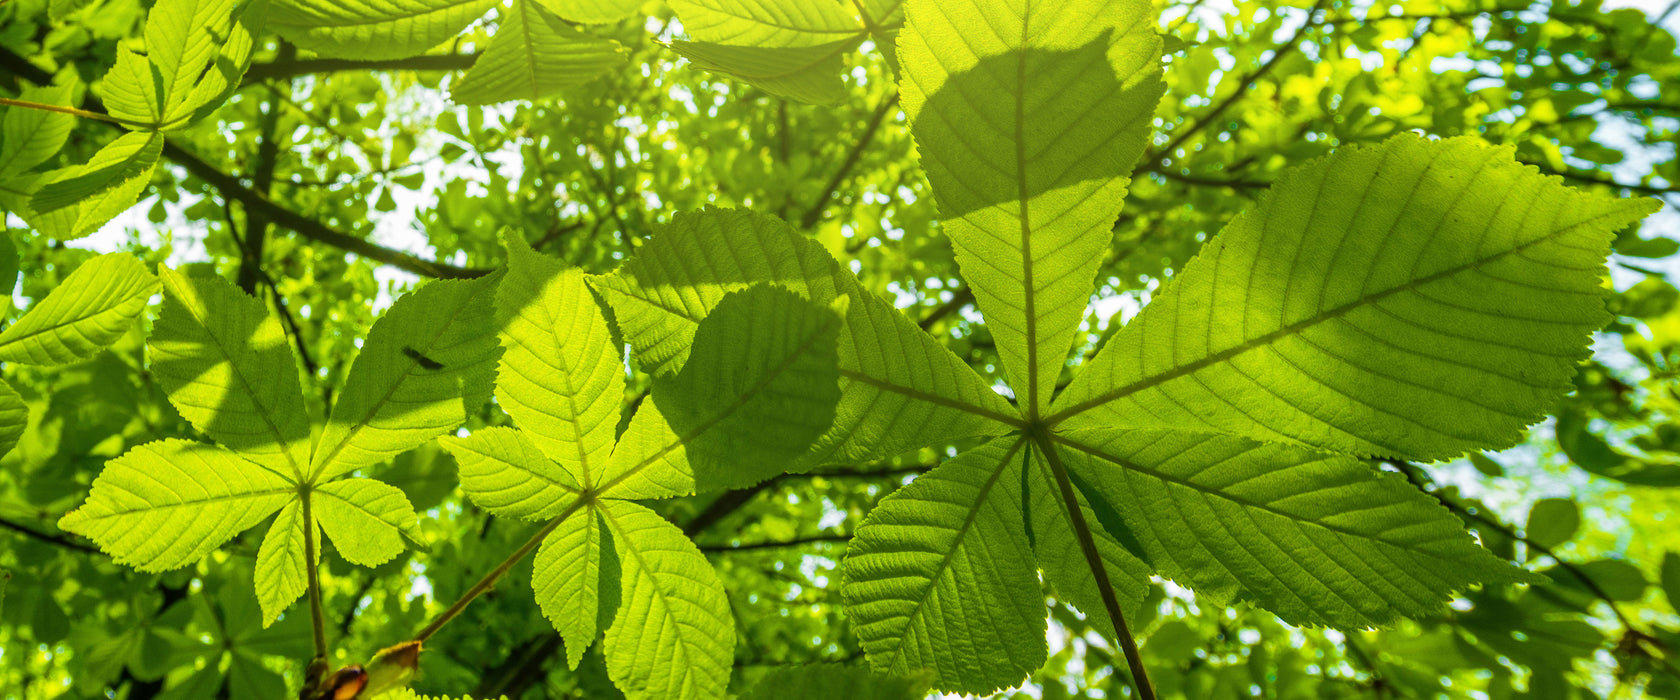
[{"x": 854, "y": 349}]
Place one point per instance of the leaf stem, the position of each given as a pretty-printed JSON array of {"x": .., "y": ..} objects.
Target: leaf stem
[
  {"x": 317, "y": 618},
  {"x": 85, "y": 114},
  {"x": 490, "y": 579},
  {"x": 1088, "y": 546}
]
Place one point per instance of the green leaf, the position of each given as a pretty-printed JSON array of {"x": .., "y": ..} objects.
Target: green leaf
[
  {"x": 673, "y": 636},
  {"x": 900, "y": 388},
  {"x": 1552, "y": 521},
  {"x": 228, "y": 369},
  {"x": 199, "y": 50},
  {"x": 166, "y": 504},
  {"x": 14, "y": 417},
  {"x": 1318, "y": 539},
  {"x": 535, "y": 55},
  {"x": 365, "y": 519},
  {"x": 1056, "y": 548},
  {"x": 575, "y": 565},
  {"x": 1029, "y": 180},
  {"x": 376, "y": 29},
  {"x": 940, "y": 576},
  {"x": 504, "y": 473},
  {"x": 593, "y": 11},
  {"x": 424, "y": 365},
  {"x": 131, "y": 156},
  {"x": 562, "y": 375},
  {"x": 132, "y": 92},
  {"x": 282, "y": 569},
  {"x": 767, "y": 23},
  {"x": 760, "y": 386},
  {"x": 93, "y": 307},
  {"x": 837, "y": 682},
  {"x": 805, "y": 73},
  {"x": 29, "y": 137},
  {"x": 1342, "y": 315}
]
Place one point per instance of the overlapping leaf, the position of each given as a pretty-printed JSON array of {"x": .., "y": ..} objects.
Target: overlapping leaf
[
  {"x": 1029, "y": 178},
  {"x": 900, "y": 389},
  {"x": 534, "y": 55},
  {"x": 373, "y": 29},
  {"x": 790, "y": 48}
]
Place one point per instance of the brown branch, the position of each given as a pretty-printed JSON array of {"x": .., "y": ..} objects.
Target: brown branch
[
  {"x": 231, "y": 188},
  {"x": 290, "y": 68},
  {"x": 55, "y": 540},
  {"x": 1152, "y": 159},
  {"x": 773, "y": 544},
  {"x": 814, "y": 214}
]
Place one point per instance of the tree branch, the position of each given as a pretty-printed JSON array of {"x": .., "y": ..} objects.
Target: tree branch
[
  {"x": 814, "y": 214},
  {"x": 773, "y": 544},
  {"x": 55, "y": 540},
  {"x": 282, "y": 67}
]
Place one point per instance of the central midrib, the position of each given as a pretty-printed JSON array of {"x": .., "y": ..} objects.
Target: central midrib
[{"x": 1030, "y": 305}]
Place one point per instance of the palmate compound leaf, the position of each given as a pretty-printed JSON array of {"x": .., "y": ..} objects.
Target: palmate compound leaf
[
  {"x": 1029, "y": 117},
  {"x": 759, "y": 360},
  {"x": 1319, "y": 539},
  {"x": 227, "y": 366},
  {"x": 759, "y": 387},
  {"x": 165, "y": 504},
  {"x": 89, "y": 310},
  {"x": 425, "y": 364},
  {"x": 790, "y": 48},
  {"x": 534, "y": 55},
  {"x": 899, "y": 388},
  {"x": 373, "y": 29},
  {"x": 1415, "y": 299}
]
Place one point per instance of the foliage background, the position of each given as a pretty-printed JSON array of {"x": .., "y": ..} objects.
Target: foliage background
[{"x": 376, "y": 151}]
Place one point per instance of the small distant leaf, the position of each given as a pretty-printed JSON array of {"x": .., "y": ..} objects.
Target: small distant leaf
[
  {"x": 228, "y": 369},
  {"x": 504, "y": 473},
  {"x": 29, "y": 137},
  {"x": 809, "y": 74},
  {"x": 130, "y": 156},
  {"x": 166, "y": 504},
  {"x": 93, "y": 307},
  {"x": 1485, "y": 464},
  {"x": 1338, "y": 316},
  {"x": 14, "y": 418},
  {"x": 1552, "y": 521},
  {"x": 376, "y": 29},
  {"x": 365, "y": 519},
  {"x": 1621, "y": 581},
  {"x": 940, "y": 576},
  {"x": 282, "y": 570},
  {"x": 394, "y": 398},
  {"x": 673, "y": 637},
  {"x": 532, "y": 56},
  {"x": 837, "y": 682},
  {"x": 760, "y": 386}
]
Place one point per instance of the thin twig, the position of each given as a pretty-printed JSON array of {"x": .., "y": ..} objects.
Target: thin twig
[
  {"x": 55, "y": 540},
  {"x": 814, "y": 214},
  {"x": 490, "y": 579}
]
